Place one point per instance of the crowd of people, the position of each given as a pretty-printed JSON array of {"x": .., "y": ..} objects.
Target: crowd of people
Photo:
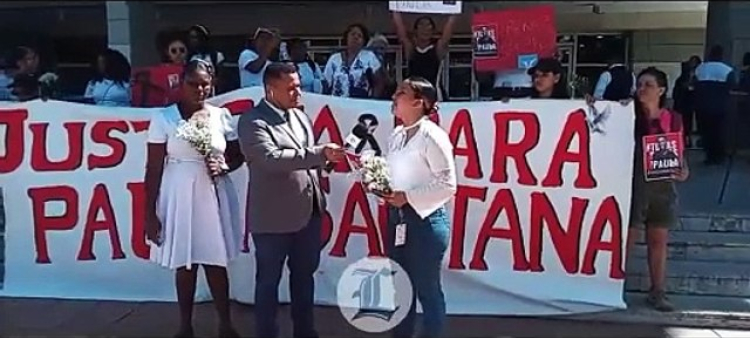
[{"x": 190, "y": 227}]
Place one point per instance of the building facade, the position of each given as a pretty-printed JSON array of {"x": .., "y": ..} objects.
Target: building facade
[{"x": 661, "y": 34}]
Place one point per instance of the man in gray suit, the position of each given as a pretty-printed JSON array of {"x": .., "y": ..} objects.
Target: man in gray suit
[{"x": 285, "y": 201}]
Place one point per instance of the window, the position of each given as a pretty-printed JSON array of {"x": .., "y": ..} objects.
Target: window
[
  {"x": 598, "y": 49},
  {"x": 459, "y": 83},
  {"x": 588, "y": 75}
]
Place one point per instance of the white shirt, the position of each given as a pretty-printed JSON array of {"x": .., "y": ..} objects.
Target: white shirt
[
  {"x": 605, "y": 79},
  {"x": 343, "y": 79},
  {"x": 423, "y": 168},
  {"x": 248, "y": 79},
  {"x": 713, "y": 71},
  {"x": 516, "y": 78},
  {"x": 310, "y": 79},
  {"x": 108, "y": 93}
]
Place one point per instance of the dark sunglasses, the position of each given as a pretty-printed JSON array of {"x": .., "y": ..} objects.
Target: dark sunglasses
[{"x": 177, "y": 50}]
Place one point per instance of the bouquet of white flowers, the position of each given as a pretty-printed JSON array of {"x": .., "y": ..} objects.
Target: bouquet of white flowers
[
  {"x": 374, "y": 174},
  {"x": 197, "y": 132}
]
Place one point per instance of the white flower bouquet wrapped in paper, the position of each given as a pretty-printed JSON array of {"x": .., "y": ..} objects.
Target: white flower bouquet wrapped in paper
[
  {"x": 197, "y": 132},
  {"x": 374, "y": 173}
]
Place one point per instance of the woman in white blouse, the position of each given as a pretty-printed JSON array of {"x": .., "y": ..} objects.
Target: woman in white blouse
[
  {"x": 111, "y": 85},
  {"x": 423, "y": 175},
  {"x": 353, "y": 71}
]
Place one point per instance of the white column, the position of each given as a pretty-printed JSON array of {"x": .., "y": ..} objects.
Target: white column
[{"x": 131, "y": 29}]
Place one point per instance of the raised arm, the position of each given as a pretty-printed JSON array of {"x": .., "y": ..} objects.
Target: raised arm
[
  {"x": 403, "y": 34},
  {"x": 445, "y": 37},
  {"x": 260, "y": 150}
]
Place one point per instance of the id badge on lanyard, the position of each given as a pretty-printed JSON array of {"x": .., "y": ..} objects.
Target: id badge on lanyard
[{"x": 400, "y": 239}]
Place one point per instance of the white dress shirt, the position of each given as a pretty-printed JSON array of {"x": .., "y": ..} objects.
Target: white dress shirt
[
  {"x": 423, "y": 168},
  {"x": 516, "y": 78},
  {"x": 605, "y": 79}
]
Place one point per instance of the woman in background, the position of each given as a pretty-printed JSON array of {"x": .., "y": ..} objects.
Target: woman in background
[
  {"x": 192, "y": 208},
  {"x": 310, "y": 76},
  {"x": 353, "y": 71},
  {"x": 173, "y": 48},
  {"x": 423, "y": 175},
  {"x": 654, "y": 203},
  {"x": 422, "y": 51},
  {"x": 548, "y": 80},
  {"x": 111, "y": 84},
  {"x": 201, "y": 48}
]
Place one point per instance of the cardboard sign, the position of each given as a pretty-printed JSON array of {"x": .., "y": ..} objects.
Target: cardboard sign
[
  {"x": 521, "y": 37},
  {"x": 156, "y": 86},
  {"x": 430, "y": 7},
  {"x": 662, "y": 156}
]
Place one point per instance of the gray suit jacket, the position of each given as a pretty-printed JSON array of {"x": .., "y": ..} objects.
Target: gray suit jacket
[{"x": 284, "y": 171}]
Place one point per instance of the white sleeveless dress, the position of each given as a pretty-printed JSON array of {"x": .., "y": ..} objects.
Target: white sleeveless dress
[{"x": 200, "y": 220}]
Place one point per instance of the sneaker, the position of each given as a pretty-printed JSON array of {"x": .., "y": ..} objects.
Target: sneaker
[{"x": 659, "y": 301}]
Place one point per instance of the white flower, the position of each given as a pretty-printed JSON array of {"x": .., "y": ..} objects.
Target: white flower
[
  {"x": 374, "y": 172},
  {"x": 198, "y": 133}
]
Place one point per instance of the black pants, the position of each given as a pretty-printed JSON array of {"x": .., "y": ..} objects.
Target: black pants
[
  {"x": 711, "y": 128},
  {"x": 301, "y": 252}
]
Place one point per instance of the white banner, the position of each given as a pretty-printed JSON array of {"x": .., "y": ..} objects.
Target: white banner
[
  {"x": 538, "y": 223},
  {"x": 427, "y": 7}
]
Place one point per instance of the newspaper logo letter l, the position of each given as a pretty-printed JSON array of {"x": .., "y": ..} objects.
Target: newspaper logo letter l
[{"x": 374, "y": 294}]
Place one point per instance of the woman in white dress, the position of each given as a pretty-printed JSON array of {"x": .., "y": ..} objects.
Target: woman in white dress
[{"x": 192, "y": 206}]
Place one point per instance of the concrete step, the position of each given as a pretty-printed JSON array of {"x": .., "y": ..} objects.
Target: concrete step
[
  {"x": 729, "y": 253},
  {"x": 694, "y": 277},
  {"x": 707, "y": 237},
  {"x": 714, "y": 222}
]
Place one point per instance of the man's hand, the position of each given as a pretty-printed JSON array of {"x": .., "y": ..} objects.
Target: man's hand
[{"x": 333, "y": 152}]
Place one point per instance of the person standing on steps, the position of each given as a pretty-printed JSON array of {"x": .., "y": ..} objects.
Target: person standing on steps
[
  {"x": 654, "y": 204},
  {"x": 285, "y": 200},
  {"x": 192, "y": 208}
]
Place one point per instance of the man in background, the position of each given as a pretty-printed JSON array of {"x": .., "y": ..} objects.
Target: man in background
[
  {"x": 714, "y": 81},
  {"x": 617, "y": 83}
]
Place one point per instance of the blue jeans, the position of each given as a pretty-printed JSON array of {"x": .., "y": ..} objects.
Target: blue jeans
[
  {"x": 421, "y": 257},
  {"x": 301, "y": 252}
]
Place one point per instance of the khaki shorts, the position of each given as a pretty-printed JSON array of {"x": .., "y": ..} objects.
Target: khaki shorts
[{"x": 654, "y": 205}]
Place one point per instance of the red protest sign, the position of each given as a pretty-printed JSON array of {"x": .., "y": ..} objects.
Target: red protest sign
[
  {"x": 662, "y": 156},
  {"x": 514, "y": 38}
]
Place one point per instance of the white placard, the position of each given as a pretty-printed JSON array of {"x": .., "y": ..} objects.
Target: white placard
[{"x": 428, "y": 7}]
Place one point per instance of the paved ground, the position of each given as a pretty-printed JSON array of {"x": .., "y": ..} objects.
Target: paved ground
[{"x": 55, "y": 318}]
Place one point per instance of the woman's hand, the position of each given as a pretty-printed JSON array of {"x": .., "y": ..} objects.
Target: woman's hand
[
  {"x": 215, "y": 166},
  {"x": 396, "y": 199},
  {"x": 153, "y": 229},
  {"x": 682, "y": 174}
]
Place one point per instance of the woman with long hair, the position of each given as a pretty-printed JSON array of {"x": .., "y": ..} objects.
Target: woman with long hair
[
  {"x": 424, "y": 53},
  {"x": 654, "y": 203},
  {"x": 192, "y": 208},
  {"x": 423, "y": 173},
  {"x": 111, "y": 83}
]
